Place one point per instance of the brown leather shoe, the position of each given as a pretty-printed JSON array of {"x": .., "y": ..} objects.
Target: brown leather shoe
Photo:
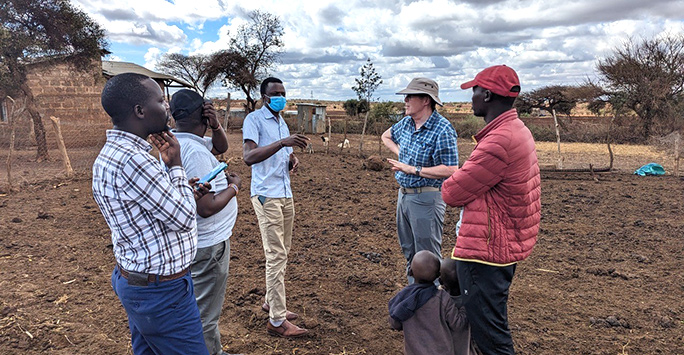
[
  {"x": 286, "y": 330},
  {"x": 288, "y": 315}
]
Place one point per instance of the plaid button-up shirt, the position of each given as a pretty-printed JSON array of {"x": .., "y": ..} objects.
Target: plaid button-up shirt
[
  {"x": 151, "y": 212},
  {"x": 431, "y": 145}
]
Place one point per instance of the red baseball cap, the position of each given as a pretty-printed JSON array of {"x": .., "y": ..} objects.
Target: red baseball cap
[{"x": 499, "y": 79}]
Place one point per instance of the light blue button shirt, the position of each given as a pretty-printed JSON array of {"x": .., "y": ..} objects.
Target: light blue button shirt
[{"x": 271, "y": 177}]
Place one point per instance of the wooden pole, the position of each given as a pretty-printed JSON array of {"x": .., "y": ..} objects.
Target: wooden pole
[
  {"x": 676, "y": 154},
  {"x": 61, "y": 146},
  {"x": 559, "y": 165},
  {"x": 32, "y": 132},
  {"x": 11, "y": 146},
  {"x": 363, "y": 131},
  {"x": 327, "y": 147},
  {"x": 226, "y": 119},
  {"x": 346, "y": 119}
]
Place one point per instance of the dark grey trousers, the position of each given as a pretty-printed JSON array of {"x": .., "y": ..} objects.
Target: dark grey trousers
[
  {"x": 484, "y": 291},
  {"x": 210, "y": 276},
  {"x": 420, "y": 221}
]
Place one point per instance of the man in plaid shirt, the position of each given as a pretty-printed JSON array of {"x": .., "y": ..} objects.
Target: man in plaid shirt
[
  {"x": 425, "y": 143},
  {"x": 150, "y": 210}
]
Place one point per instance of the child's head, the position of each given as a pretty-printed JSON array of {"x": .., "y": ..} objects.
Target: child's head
[
  {"x": 425, "y": 267},
  {"x": 449, "y": 278}
]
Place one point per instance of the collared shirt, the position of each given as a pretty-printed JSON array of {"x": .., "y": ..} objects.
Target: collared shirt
[
  {"x": 271, "y": 177},
  {"x": 431, "y": 145},
  {"x": 151, "y": 212},
  {"x": 198, "y": 161}
]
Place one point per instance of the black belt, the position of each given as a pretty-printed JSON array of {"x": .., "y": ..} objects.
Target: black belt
[
  {"x": 417, "y": 190},
  {"x": 138, "y": 278}
]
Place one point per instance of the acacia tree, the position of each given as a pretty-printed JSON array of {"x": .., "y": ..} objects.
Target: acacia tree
[
  {"x": 43, "y": 30},
  {"x": 368, "y": 81},
  {"x": 647, "y": 76},
  {"x": 554, "y": 98},
  {"x": 191, "y": 68},
  {"x": 255, "y": 49}
]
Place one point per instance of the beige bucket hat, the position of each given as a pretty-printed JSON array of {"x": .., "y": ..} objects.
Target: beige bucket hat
[{"x": 423, "y": 86}]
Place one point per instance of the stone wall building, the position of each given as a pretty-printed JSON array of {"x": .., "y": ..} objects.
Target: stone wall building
[{"x": 74, "y": 97}]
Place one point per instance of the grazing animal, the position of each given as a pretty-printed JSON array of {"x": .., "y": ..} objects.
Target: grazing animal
[
  {"x": 309, "y": 148},
  {"x": 344, "y": 144},
  {"x": 325, "y": 141}
]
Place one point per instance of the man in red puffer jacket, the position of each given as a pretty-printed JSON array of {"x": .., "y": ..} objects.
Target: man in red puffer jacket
[{"x": 499, "y": 190}]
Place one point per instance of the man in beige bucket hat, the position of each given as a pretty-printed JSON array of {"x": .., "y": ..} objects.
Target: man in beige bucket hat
[{"x": 425, "y": 143}]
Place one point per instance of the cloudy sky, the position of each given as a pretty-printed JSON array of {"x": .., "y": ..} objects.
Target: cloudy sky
[{"x": 326, "y": 42}]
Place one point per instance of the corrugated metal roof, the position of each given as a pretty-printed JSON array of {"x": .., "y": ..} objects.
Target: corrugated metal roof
[{"x": 111, "y": 68}]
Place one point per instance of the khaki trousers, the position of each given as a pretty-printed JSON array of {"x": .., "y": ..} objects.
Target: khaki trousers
[{"x": 276, "y": 218}]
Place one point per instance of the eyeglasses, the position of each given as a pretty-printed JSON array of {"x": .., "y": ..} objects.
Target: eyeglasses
[{"x": 410, "y": 96}]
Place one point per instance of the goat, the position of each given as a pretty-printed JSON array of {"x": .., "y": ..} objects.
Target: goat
[
  {"x": 344, "y": 144},
  {"x": 325, "y": 141},
  {"x": 309, "y": 148}
]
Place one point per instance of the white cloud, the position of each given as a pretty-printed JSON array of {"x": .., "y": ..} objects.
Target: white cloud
[
  {"x": 326, "y": 42},
  {"x": 152, "y": 57}
]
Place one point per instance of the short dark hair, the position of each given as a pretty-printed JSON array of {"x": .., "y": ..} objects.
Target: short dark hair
[
  {"x": 121, "y": 93},
  {"x": 264, "y": 84}
]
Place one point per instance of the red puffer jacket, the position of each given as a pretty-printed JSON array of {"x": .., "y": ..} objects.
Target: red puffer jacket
[{"x": 499, "y": 189}]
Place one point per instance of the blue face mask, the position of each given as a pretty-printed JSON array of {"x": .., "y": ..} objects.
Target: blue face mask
[{"x": 277, "y": 103}]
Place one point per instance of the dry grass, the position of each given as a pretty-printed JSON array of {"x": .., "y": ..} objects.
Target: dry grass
[{"x": 627, "y": 158}]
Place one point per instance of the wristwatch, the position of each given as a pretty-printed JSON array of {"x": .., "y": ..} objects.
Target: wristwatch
[{"x": 418, "y": 169}]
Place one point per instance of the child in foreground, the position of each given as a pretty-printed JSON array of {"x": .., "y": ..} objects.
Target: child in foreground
[{"x": 433, "y": 321}]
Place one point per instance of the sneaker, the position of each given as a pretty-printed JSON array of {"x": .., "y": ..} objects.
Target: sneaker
[
  {"x": 288, "y": 315},
  {"x": 286, "y": 330}
]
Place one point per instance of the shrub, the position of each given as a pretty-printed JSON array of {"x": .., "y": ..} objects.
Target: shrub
[{"x": 468, "y": 126}]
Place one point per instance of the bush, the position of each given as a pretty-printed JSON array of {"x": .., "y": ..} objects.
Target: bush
[
  {"x": 585, "y": 132},
  {"x": 353, "y": 127},
  {"x": 468, "y": 126},
  {"x": 543, "y": 133}
]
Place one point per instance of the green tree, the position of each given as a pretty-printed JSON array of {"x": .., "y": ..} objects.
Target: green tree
[
  {"x": 43, "y": 30},
  {"x": 553, "y": 99},
  {"x": 647, "y": 76},
  {"x": 381, "y": 116},
  {"x": 366, "y": 84},
  {"x": 254, "y": 49},
  {"x": 191, "y": 68}
]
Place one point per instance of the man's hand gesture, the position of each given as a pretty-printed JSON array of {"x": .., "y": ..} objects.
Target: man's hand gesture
[
  {"x": 168, "y": 147},
  {"x": 295, "y": 140}
]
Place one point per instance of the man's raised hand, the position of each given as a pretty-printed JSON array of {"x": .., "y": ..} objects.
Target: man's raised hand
[
  {"x": 296, "y": 140},
  {"x": 168, "y": 147}
]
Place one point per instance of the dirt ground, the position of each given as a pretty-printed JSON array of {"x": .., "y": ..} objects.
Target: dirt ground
[{"x": 605, "y": 277}]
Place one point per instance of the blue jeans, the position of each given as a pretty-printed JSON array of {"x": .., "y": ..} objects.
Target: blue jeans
[{"x": 163, "y": 317}]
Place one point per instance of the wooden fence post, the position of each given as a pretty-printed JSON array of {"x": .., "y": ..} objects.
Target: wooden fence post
[
  {"x": 11, "y": 147},
  {"x": 62, "y": 147},
  {"x": 676, "y": 153},
  {"x": 559, "y": 164}
]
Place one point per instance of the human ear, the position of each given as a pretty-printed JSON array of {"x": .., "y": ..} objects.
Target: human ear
[
  {"x": 138, "y": 111},
  {"x": 487, "y": 96}
]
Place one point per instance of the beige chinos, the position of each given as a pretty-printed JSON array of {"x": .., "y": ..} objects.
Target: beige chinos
[{"x": 276, "y": 219}]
